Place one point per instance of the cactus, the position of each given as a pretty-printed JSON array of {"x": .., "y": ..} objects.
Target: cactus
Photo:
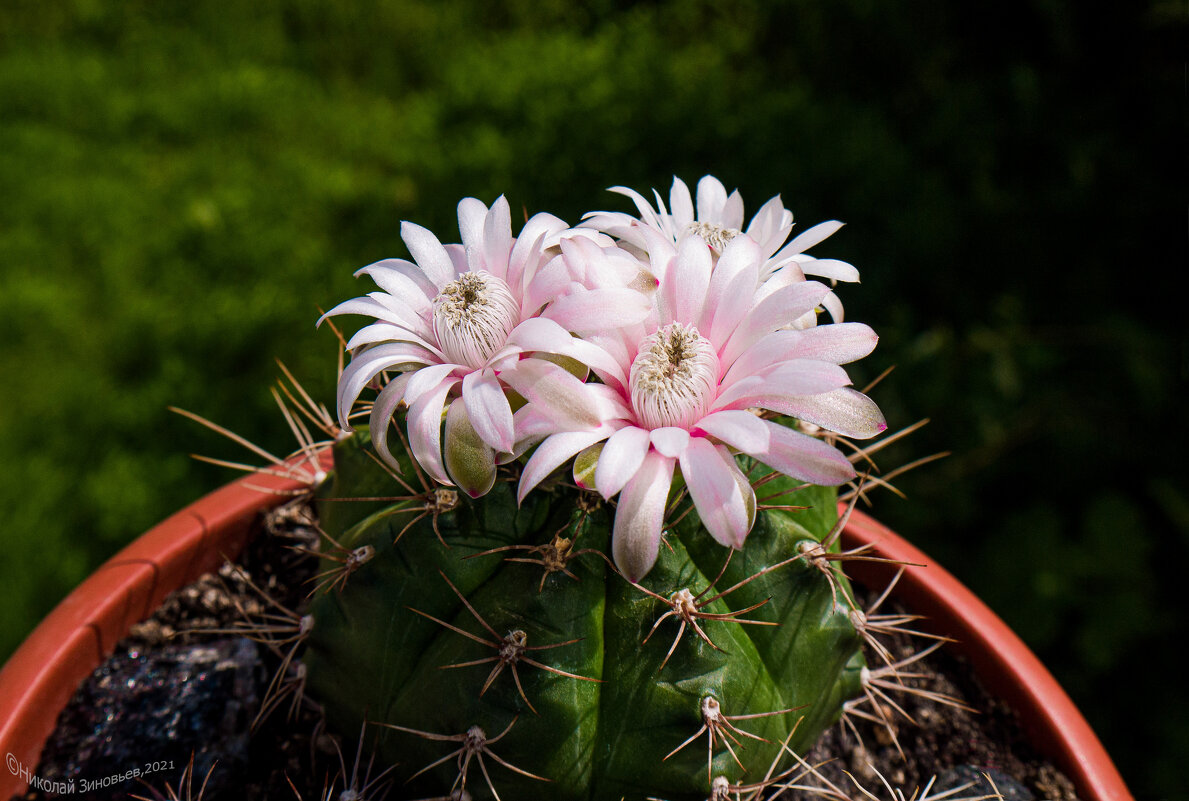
[
  {"x": 587, "y": 547},
  {"x": 590, "y": 706}
]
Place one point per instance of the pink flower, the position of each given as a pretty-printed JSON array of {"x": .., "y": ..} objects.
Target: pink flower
[
  {"x": 465, "y": 323},
  {"x": 718, "y": 218},
  {"x": 676, "y": 391}
]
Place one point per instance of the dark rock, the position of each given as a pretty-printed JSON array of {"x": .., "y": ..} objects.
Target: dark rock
[{"x": 148, "y": 712}]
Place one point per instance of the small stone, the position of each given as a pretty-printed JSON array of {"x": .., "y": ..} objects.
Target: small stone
[{"x": 981, "y": 781}]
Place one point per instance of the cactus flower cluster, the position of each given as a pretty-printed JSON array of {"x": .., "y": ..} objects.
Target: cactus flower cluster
[{"x": 596, "y": 492}]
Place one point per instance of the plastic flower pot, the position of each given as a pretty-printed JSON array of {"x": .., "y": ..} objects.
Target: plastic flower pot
[{"x": 40, "y": 678}]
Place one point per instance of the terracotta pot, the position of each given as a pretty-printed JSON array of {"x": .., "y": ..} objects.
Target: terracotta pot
[
  {"x": 42, "y": 675},
  {"x": 80, "y": 633},
  {"x": 1000, "y": 659}
]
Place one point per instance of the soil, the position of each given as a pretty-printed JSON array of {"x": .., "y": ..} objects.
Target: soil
[{"x": 180, "y": 699}]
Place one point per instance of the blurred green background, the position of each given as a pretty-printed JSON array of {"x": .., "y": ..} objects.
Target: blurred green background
[{"x": 182, "y": 185}]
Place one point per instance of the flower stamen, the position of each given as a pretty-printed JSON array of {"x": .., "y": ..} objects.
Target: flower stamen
[
  {"x": 673, "y": 377},
  {"x": 472, "y": 317},
  {"x": 716, "y": 236}
]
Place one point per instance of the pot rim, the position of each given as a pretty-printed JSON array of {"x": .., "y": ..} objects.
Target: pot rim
[
  {"x": 41, "y": 676},
  {"x": 43, "y": 673},
  {"x": 1002, "y": 662}
]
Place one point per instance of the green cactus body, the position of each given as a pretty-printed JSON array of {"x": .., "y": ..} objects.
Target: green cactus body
[{"x": 382, "y": 647}]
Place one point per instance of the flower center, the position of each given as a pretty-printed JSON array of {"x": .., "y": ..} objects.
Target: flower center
[
  {"x": 472, "y": 317},
  {"x": 673, "y": 377},
  {"x": 716, "y": 236}
]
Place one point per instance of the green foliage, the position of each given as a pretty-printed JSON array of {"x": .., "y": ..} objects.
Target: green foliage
[{"x": 383, "y": 647}]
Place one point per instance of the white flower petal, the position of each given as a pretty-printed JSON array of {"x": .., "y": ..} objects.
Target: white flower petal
[
  {"x": 472, "y": 214},
  {"x": 684, "y": 288},
  {"x": 636, "y": 535},
  {"x": 721, "y": 505},
  {"x": 772, "y": 313},
  {"x": 368, "y": 364},
  {"x": 558, "y": 394},
  {"x": 497, "y": 238},
  {"x": 731, "y": 214},
  {"x": 403, "y": 280},
  {"x": 809, "y": 237},
  {"x": 732, "y": 289},
  {"x": 669, "y": 440},
  {"x": 621, "y": 458},
  {"x": 426, "y": 379},
  {"x": 789, "y": 379},
  {"x": 381, "y": 418},
  {"x": 804, "y": 457},
  {"x": 843, "y": 411},
  {"x": 740, "y": 429},
  {"x": 833, "y": 269},
  {"x": 425, "y": 429},
  {"x": 712, "y": 197},
  {"x": 599, "y": 309},
  {"x": 681, "y": 205},
  {"x": 487, "y": 409},
  {"x": 555, "y": 451},
  {"x": 429, "y": 254}
]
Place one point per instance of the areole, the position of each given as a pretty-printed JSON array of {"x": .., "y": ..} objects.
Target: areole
[{"x": 42, "y": 675}]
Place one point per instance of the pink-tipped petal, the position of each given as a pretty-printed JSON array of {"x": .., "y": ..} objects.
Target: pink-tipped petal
[
  {"x": 840, "y": 343},
  {"x": 542, "y": 334},
  {"x": 488, "y": 410},
  {"x": 366, "y": 307},
  {"x": 621, "y": 458},
  {"x": 401, "y": 279},
  {"x": 469, "y": 460},
  {"x": 472, "y": 214},
  {"x": 844, "y": 411},
  {"x": 523, "y": 264},
  {"x": 740, "y": 429},
  {"x": 636, "y": 535},
  {"x": 731, "y": 215},
  {"x": 833, "y": 305},
  {"x": 804, "y": 457},
  {"x": 746, "y": 490},
  {"x": 715, "y": 493},
  {"x": 387, "y": 332},
  {"x": 647, "y": 213}
]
